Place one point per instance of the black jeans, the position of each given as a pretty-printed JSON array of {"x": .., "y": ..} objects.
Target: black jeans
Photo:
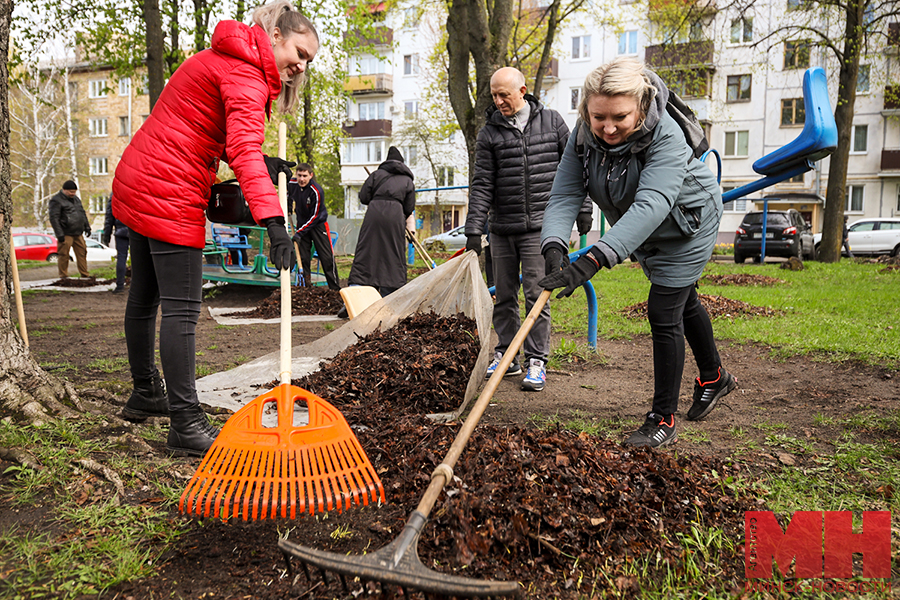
[
  {"x": 169, "y": 276},
  {"x": 318, "y": 235},
  {"x": 676, "y": 314}
]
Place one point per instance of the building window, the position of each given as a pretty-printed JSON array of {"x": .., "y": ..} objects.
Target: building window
[
  {"x": 411, "y": 155},
  {"x": 855, "y": 194},
  {"x": 860, "y": 141},
  {"x": 73, "y": 91},
  {"x": 796, "y": 54},
  {"x": 369, "y": 111},
  {"x": 898, "y": 197},
  {"x": 97, "y": 88},
  {"x": 738, "y": 206},
  {"x": 97, "y": 204},
  {"x": 574, "y": 98},
  {"x": 125, "y": 86},
  {"x": 410, "y": 108},
  {"x": 742, "y": 30},
  {"x": 363, "y": 152},
  {"x": 99, "y": 166},
  {"x": 145, "y": 85},
  {"x": 98, "y": 127},
  {"x": 797, "y": 5},
  {"x": 792, "y": 112},
  {"x": 688, "y": 83},
  {"x": 124, "y": 126},
  {"x": 411, "y": 17},
  {"x": 737, "y": 143},
  {"x": 628, "y": 42},
  {"x": 738, "y": 88},
  {"x": 581, "y": 47},
  {"x": 144, "y": 118},
  {"x": 367, "y": 65},
  {"x": 411, "y": 64},
  {"x": 445, "y": 176},
  {"x": 862, "y": 80}
]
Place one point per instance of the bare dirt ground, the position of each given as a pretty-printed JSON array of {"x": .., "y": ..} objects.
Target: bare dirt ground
[{"x": 79, "y": 336}]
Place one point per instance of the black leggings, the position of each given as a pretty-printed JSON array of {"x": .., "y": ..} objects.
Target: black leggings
[
  {"x": 171, "y": 276},
  {"x": 676, "y": 314}
]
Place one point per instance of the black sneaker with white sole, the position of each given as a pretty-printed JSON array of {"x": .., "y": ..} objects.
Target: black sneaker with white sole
[
  {"x": 657, "y": 430},
  {"x": 708, "y": 394}
]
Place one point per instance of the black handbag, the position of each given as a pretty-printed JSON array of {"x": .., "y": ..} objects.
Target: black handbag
[{"x": 227, "y": 205}]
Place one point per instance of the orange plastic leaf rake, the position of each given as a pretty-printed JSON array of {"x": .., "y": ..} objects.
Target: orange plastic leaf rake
[{"x": 257, "y": 472}]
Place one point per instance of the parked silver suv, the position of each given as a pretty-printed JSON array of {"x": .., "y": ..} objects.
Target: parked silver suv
[{"x": 871, "y": 236}]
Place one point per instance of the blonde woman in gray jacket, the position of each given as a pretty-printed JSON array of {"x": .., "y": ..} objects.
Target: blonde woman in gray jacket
[{"x": 664, "y": 207}]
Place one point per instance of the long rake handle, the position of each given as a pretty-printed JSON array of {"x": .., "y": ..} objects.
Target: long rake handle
[
  {"x": 418, "y": 246},
  {"x": 442, "y": 474},
  {"x": 20, "y": 308},
  {"x": 285, "y": 274}
]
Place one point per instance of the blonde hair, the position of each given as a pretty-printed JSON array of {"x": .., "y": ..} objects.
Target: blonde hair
[
  {"x": 282, "y": 15},
  {"x": 622, "y": 76}
]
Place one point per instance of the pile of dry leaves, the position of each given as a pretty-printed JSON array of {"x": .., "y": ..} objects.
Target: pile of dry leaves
[
  {"x": 316, "y": 300},
  {"x": 716, "y": 306}
]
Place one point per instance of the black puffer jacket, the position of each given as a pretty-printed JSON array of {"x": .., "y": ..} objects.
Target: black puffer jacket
[{"x": 514, "y": 171}]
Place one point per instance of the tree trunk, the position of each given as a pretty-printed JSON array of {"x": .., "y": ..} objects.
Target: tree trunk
[
  {"x": 239, "y": 10},
  {"x": 173, "y": 56},
  {"x": 481, "y": 31},
  {"x": 70, "y": 133},
  {"x": 155, "y": 49},
  {"x": 308, "y": 141},
  {"x": 552, "y": 24},
  {"x": 836, "y": 190},
  {"x": 25, "y": 389}
]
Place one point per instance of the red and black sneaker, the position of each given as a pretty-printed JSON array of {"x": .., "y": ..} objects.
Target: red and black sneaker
[
  {"x": 707, "y": 394},
  {"x": 657, "y": 430}
]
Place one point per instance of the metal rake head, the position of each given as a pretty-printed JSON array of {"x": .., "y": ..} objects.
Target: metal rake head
[{"x": 399, "y": 565}]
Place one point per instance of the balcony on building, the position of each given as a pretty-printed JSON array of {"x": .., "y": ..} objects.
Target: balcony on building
[
  {"x": 368, "y": 128},
  {"x": 890, "y": 161},
  {"x": 891, "y": 100},
  {"x": 687, "y": 54},
  {"x": 893, "y": 39},
  {"x": 378, "y": 36},
  {"x": 377, "y": 83},
  {"x": 551, "y": 75}
]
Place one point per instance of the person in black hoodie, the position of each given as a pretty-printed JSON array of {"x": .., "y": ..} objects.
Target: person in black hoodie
[
  {"x": 307, "y": 200},
  {"x": 380, "y": 258}
]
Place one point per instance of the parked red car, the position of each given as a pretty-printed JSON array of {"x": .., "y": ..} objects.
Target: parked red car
[{"x": 34, "y": 246}]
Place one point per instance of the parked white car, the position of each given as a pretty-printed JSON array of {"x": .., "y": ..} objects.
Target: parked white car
[
  {"x": 871, "y": 236},
  {"x": 97, "y": 252},
  {"x": 453, "y": 240}
]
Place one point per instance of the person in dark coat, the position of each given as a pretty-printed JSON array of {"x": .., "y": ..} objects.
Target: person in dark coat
[
  {"x": 380, "y": 258},
  {"x": 70, "y": 225},
  {"x": 306, "y": 200},
  {"x": 114, "y": 227}
]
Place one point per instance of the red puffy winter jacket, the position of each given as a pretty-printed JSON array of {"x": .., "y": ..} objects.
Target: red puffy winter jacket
[{"x": 214, "y": 106}]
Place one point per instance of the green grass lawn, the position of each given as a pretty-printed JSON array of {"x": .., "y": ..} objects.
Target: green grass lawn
[{"x": 831, "y": 311}]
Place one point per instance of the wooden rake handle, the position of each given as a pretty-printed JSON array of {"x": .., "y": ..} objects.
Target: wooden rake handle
[
  {"x": 444, "y": 471},
  {"x": 285, "y": 274}
]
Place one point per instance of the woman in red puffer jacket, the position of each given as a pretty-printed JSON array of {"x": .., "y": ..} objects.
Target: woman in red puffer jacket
[{"x": 213, "y": 108}]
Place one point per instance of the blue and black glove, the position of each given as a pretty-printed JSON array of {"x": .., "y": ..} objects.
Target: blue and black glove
[
  {"x": 281, "y": 251},
  {"x": 577, "y": 274}
]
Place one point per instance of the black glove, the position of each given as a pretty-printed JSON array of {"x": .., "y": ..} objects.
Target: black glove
[
  {"x": 61, "y": 239},
  {"x": 575, "y": 275},
  {"x": 473, "y": 242},
  {"x": 87, "y": 232},
  {"x": 555, "y": 258},
  {"x": 583, "y": 222},
  {"x": 281, "y": 251},
  {"x": 276, "y": 165},
  {"x": 105, "y": 238}
]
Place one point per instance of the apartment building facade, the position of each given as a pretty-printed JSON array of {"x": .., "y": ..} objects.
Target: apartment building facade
[{"x": 746, "y": 89}]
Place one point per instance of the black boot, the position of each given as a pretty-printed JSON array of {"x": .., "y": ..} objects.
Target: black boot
[
  {"x": 190, "y": 432},
  {"x": 148, "y": 399}
]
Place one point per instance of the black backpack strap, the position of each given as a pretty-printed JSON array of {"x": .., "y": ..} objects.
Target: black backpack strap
[{"x": 583, "y": 151}]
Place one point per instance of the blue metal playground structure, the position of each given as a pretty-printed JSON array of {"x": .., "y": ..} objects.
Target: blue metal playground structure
[{"x": 817, "y": 140}]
